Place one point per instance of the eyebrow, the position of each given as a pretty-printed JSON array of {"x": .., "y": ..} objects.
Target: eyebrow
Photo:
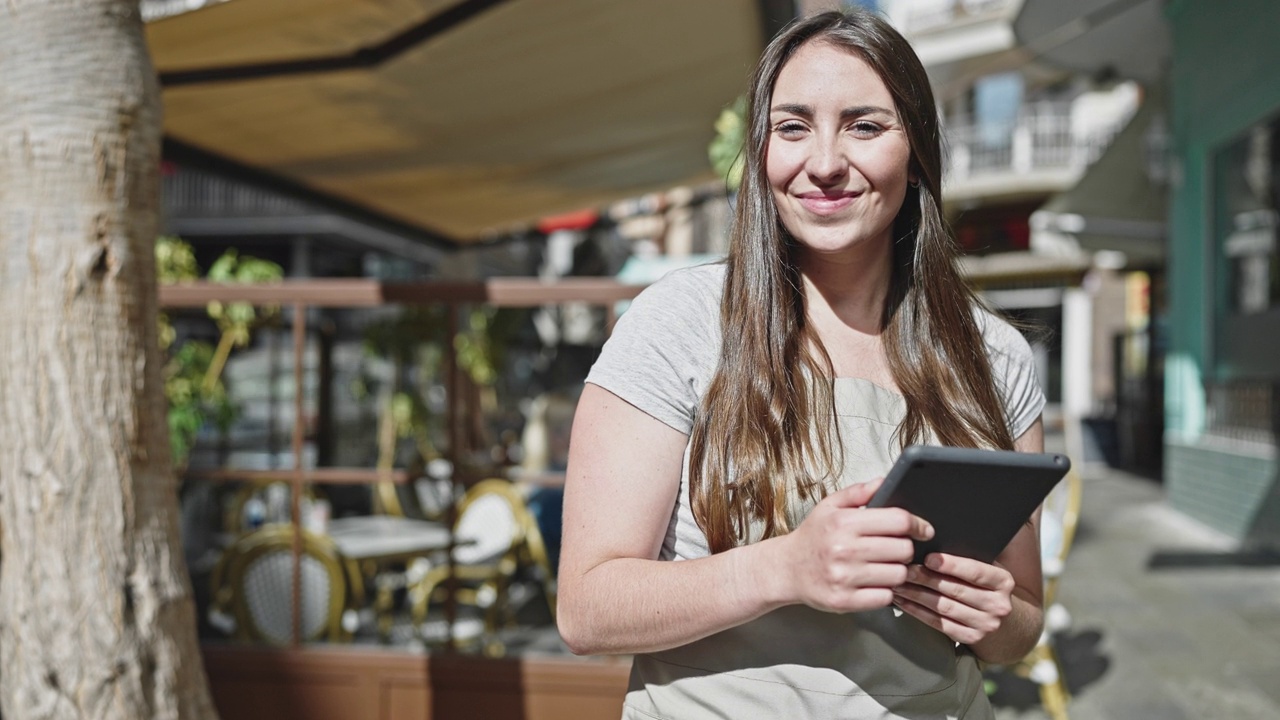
[{"x": 847, "y": 113}]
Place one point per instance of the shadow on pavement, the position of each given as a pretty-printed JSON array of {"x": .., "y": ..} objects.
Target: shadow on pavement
[
  {"x": 1082, "y": 664},
  {"x": 1171, "y": 560}
]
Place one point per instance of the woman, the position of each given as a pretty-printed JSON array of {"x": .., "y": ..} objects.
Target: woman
[{"x": 742, "y": 414}]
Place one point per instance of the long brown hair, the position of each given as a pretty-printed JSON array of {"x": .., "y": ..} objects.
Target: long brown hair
[{"x": 767, "y": 426}]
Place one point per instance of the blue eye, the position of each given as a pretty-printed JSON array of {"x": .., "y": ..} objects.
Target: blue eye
[{"x": 789, "y": 128}]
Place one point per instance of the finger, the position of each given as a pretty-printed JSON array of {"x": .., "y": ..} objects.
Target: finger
[
  {"x": 879, "y": 575},
  {"x": 941, "y": 605},
  {"x": 956, "y": 631},
  {"x": 954, "y": 598},
  {"x": 855, "y": 495},
  {"x": 974, "y": 572},
  {"x": 897, "y": 550},
  {"x": 891, "y": 521}
]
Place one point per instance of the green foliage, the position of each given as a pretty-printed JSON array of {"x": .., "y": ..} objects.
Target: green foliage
[
  {"x": 726, "y": 149},
  {"x": 482, "y": 344},
  {"x": 175, "y": 261},
  {"x": 413, "y": 341},
  {"x": 192, "y": 371},
  {"x": 236, "y": 319},
  {"x": 190, "y": 406}
]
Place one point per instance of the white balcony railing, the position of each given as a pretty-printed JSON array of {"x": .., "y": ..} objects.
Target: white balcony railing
[
  {"x": 1045, "y": 138},
  {"x": 932, "y": 15}
]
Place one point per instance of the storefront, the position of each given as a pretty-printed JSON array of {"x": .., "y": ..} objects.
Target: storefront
[{"x": 1223, "y": 362}]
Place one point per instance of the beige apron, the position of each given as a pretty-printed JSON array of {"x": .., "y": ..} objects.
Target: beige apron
[{"x": 797, "y": 662}]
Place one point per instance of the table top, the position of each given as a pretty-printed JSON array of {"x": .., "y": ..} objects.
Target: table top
[{"x": 370, "y": 537}]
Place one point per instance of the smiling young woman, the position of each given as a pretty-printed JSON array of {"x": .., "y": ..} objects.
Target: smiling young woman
[
  {"x": 742, "y": 413},
  {"x": 837, "y": 158}
]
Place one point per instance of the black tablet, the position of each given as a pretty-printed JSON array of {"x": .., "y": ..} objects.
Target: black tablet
[{"x": 976, "y": 500}]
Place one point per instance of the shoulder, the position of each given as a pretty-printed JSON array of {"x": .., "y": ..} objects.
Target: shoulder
[
  {"x": 1001, "y": 338},
  {"x": 1013, "y": 367},
  {"x": 699, "y": 286},
  {"x": 663, "y": 351},
  {"x": 682, "y": 302}
]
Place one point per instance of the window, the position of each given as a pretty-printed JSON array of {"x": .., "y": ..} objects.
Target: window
[
  {"x": 1247, "y": 278},
  {"x": 1251, "y": 197}
]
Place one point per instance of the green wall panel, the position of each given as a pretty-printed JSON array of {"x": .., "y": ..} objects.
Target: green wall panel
[{"x": 1234, "y": 492}]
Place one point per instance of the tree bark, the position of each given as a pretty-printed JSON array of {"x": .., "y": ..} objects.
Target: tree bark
[{"x": 96, "y": 612}]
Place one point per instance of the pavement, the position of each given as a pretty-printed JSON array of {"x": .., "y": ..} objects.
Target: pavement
[{"x": 1171, "y": 620}]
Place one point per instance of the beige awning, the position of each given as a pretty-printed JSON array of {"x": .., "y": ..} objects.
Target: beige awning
[{"x": 461, "y": 119}]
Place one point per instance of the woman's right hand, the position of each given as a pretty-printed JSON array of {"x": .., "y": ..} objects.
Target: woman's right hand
[{"x": 845, "y": 557}]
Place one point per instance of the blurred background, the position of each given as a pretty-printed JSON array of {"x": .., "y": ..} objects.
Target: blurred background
[{"x": 464, "y": 195}]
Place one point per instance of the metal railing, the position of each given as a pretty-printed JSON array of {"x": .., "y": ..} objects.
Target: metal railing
[
  {"x": 1243, "y": 410},
  {"x": 928, "y": 17},
  {"x": 1042, "y": 138},
  {"x": 191, "y": 193}
]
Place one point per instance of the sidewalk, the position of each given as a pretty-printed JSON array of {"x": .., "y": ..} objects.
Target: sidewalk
[{"x": 1169, "y": 621}]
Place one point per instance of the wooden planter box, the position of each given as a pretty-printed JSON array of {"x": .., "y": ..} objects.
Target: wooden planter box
[{"x": 320, "y": 683}]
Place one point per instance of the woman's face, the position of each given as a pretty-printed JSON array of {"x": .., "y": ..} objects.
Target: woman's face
[{"x": 837, "y": 155}]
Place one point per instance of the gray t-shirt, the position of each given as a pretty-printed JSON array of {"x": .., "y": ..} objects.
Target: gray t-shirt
[
  {"x": 664, "y": 350},
  {"x": 661, "y": 358},
  {"x": 663, "y": 353}
]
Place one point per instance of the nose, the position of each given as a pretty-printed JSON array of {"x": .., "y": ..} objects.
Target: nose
[{"x": 826, "y": 163}]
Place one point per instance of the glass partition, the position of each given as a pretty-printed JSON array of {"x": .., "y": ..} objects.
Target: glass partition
[{"x": 389, "y": 472}]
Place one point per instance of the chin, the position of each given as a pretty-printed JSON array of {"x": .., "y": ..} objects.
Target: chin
[{"x": 829, "y": 243}]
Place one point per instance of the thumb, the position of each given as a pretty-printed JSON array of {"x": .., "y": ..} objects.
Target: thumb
[{"x": 856, "y": 495}]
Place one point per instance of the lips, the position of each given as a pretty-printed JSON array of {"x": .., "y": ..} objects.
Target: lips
[{"x": 822, "y": 203}]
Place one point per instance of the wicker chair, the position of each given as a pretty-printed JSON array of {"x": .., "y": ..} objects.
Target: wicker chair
[
  {"x": 253, "y": 589},
  {"x": 499, "y": 542},
  {"x": 1058, "y": 523}
]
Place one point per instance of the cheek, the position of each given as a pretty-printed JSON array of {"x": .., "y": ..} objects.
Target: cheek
[
  {"x": 890, "y": 169},
  {"x": 779, "y": 167}
]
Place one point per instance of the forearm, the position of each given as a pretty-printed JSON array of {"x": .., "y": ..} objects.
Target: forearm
[
  {"x": 632, "y": 605},
  {"x": 1017, "y": 634}
]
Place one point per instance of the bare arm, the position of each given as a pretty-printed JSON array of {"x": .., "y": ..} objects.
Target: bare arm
[
  {"x": 998, "y": 610},
  {"x": 620, "y": 489}
]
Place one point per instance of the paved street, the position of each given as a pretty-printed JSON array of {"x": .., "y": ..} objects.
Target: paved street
[{"x": 1169, "y": 620}]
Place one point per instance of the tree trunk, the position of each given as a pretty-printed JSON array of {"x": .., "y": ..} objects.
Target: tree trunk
[{"x": 96, "y": 612}]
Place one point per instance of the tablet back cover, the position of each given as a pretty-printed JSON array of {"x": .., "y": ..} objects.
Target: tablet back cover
[{"x": 976, "y": 500}]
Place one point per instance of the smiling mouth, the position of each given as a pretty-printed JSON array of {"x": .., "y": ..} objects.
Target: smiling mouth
[{"x": 826, "y": 204}]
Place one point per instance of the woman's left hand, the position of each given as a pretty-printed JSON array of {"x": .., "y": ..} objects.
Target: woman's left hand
[{"x": 966, "y": 600}]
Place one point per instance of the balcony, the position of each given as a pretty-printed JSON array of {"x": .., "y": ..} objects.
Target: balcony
[
  {"x": 1045, "y": 151},
  {"x": 190, "y": 194},
  {"x": 920, "y": 18},
  {"x": 202, "y": 204},
  {"x": 955, "y": 38}
]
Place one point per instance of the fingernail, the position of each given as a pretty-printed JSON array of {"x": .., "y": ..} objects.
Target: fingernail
[{"x": 932, "y": 562}]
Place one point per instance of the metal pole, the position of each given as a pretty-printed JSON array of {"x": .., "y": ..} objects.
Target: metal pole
[
  {"x": 299, "y": 435},
  {"x": 453, "y": 381}
]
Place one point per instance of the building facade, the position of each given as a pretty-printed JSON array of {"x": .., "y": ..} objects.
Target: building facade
[{"x": 1223, "y": 363}]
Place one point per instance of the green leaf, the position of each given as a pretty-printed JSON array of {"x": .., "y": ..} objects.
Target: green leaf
[
  {"x": 726, "y": 149},
  {"x": 175, "y": 260}
]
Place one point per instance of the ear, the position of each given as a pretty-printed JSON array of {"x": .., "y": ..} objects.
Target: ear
[{"x": 913, "y": 174}]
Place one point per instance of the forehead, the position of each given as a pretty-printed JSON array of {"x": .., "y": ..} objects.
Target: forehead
[{"x": 820, "y": 73}]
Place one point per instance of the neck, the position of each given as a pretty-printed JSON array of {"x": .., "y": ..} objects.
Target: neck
[{"x": 848, "y": 289}]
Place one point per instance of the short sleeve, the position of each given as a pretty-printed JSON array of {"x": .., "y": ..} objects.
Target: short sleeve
[
  {"x": 664, "y": 349},
  {"x": 1014, "y": 370}
]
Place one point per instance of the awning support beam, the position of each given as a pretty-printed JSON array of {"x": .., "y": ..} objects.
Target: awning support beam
[
  {"x": 198, "y": 158},
  {"x": 365, "y": 57}
]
